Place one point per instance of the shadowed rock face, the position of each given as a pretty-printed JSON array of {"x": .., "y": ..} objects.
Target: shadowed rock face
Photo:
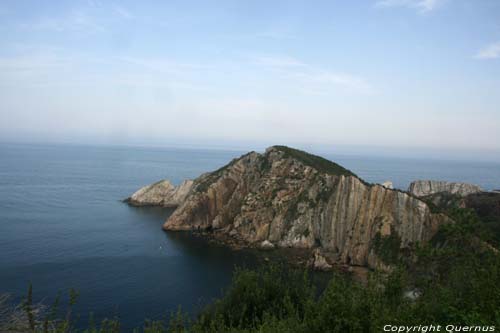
[
  {"x": 162, "y": 193},
  {"x": 422, "y": 188},
  {"x": 289, "y": 198}
]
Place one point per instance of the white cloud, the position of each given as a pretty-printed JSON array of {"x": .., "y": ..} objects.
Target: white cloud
[
  {"x": 422, "y": 6},
  {"x": 491, "y": 51},
  {"x": 46, "y": 67},
  {"x": 277, "y": 61},
  {"x": 312, "y": 79},
  {"x": 349, "y": 81}
]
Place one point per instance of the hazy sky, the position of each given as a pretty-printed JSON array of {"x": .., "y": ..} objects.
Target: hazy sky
[{"x": 403, "y": 73}]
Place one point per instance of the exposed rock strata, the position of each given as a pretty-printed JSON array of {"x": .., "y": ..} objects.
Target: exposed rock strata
[
  {"x": 289, "y": 198},
  {"x": 422, "y": 188},
  {"x": 161, "y": 193}
]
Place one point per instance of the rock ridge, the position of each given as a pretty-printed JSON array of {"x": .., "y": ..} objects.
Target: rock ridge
[
  {"x": 421, "y": 188},
  {"x": 287, "y": 198}
]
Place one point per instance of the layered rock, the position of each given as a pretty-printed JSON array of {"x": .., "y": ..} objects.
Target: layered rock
[
  {"x": 161, "y": 193},
  {"x": 288, "y": 198},
  {"x": 422, "y": 188}
]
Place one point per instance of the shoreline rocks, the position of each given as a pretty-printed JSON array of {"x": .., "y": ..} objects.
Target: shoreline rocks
[
  {"x": 318, "y": 262},
  {"x": 161, "y": 193},
  {"x": 266, "y": 245}
]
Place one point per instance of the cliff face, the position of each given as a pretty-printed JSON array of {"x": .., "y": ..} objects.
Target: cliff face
[
  {"x": 422, "y": 188},
  {"x": 162, "y": 193},
  {"x": 288, "y": 198}
]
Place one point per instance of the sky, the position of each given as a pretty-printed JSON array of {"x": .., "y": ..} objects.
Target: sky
[{"x": 409, "y": 74}]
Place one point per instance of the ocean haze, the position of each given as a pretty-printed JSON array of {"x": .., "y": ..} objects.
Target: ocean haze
[{"x": 383, "y": 73}]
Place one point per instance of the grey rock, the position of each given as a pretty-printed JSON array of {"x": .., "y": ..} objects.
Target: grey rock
[
  {"x": 388, "y": 184},
  {"x": 161, "y": 193},
  {"x": 421, "y": 188},
  {"x": 413, "y": 294},
  {"x": 318, "y": 262},
  {"x": 266, "y": 245}
]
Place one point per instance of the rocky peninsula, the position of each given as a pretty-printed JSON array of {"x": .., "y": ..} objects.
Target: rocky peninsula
[{"x": 287, "y": 198}]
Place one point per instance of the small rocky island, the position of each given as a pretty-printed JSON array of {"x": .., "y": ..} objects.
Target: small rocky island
[{"x": 287, "y": 198}]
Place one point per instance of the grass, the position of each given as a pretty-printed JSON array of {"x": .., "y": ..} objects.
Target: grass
[{"x": 317, "y": 162}]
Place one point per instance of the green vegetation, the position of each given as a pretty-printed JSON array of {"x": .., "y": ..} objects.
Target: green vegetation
[
  {"x": 487, "y": 207},
  {"x": 454, "y": 279},
  {"x": 265, "y": 165},
  {"x": 387, "y": 248},
  {"x": 30, "y": 317},
  {"x": 442, "y": 202},
  {"x": 319, "y": 163}
]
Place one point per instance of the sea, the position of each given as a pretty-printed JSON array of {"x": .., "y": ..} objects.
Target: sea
[{"x": 63, "y": 225}]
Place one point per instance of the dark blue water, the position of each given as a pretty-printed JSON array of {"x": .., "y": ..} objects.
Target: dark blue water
[{"x": 62, "y": 225}]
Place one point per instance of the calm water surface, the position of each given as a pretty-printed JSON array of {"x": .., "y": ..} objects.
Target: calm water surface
[{"x": 62, "y": 225}]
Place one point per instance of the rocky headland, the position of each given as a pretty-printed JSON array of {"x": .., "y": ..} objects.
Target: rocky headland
[
  {"x": 422, "y": 188},
  {"x": 161, "y": 193},
  {"x": 287, "y": 198},
  {"x": 444, "y": 196}
]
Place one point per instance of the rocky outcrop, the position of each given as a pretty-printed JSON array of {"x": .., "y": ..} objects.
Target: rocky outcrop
[
  {"x": 161, "y": 193},
  {"x": 388, "y": 184},
  {"x": 422, "y": 188},
  {"x": 319, "y": 262},
  {"x": 288, "y": 198}
]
